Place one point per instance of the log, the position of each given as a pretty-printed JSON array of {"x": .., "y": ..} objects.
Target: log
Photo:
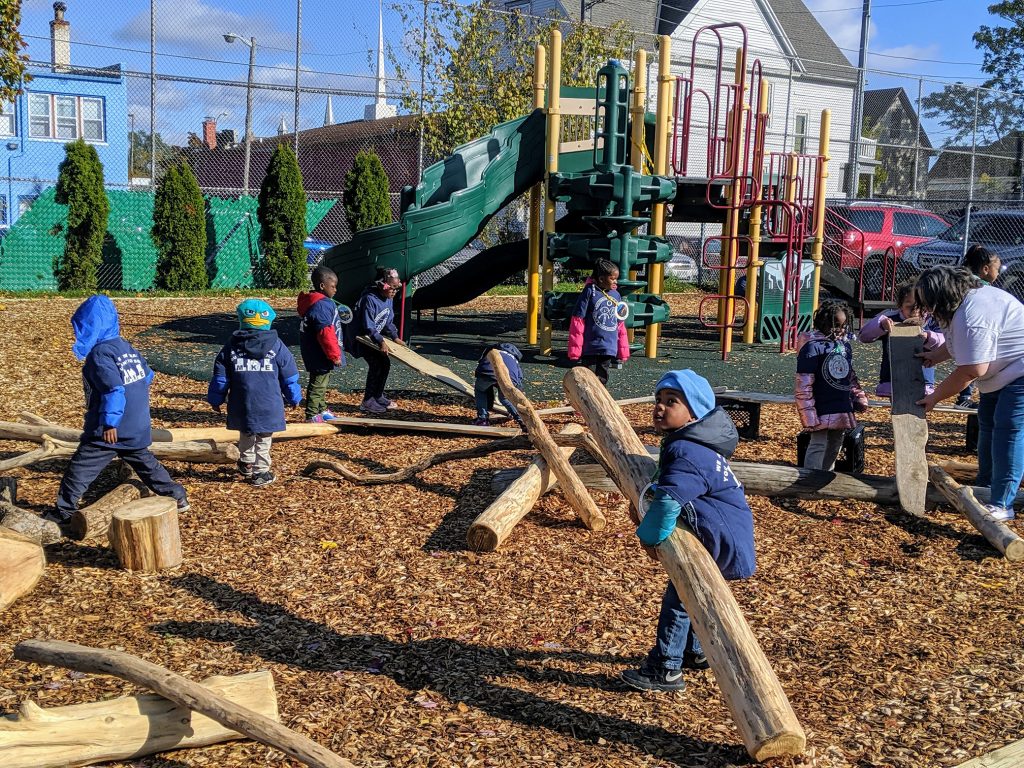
[
  {"x": 495, "y": 524},
  {"x": 93, "y": 521},
  {"x": 959, "y": 470},
  {"x": 29, "y": 524},
  {"x": 998, "y": 533},
  {"x": 13, "y": 430},
  {"x": 574, "y": 491},
  {"x": 750, "y": 688},
  {"x": 9, "y": 490},
  {"x": 34, "y": 418},
  {"x": 303, "y": 430},
  {"x": 125, "y": 728},
  {"x": 22, "y": 563},
  {"x": 49, "y": 449},
  {"x": 144, "y": 534},
  {"x": 1010, "y": 756},
  {"x": 909, "y": 426},
  {"x": 181, "y": 691}
]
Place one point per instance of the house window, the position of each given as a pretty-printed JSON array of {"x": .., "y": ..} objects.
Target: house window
[
  {"x": 65, "y": 118},
  {"x": 800, "y": 134},
  {"x": 3, "y": 210},
  {"x": 7, "y": 124}
]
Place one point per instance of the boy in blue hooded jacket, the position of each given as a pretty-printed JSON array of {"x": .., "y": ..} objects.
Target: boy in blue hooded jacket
[
  {"x": 116, "y": 379},
  {"x": 252, "y": 372},
  {"x": 374, "y": 317},
  {"x": 486, "y": 383},
  {"x": 695, "y": 483}
]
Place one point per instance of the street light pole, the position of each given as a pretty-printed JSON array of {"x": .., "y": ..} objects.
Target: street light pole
[
  {"x": 298, "y": 59},
  {"x": 251, "y": 42}
]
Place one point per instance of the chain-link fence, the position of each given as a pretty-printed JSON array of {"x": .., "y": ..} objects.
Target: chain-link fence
[{"x": 924, "y": 143}]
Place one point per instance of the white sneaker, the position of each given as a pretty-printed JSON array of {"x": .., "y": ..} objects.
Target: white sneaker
[{"x": 1000, "y": 514}]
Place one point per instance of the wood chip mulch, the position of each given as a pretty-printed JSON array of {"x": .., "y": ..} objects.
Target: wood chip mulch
[{"x": 897, "y": 640}]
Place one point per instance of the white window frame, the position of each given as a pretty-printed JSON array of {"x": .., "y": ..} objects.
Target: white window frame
[
  {"x": 800, "y": 137},
  {"x": 8, "y": 120},
  {"x": 4, "y": 211},
  {"x": 65, "y": 127}
]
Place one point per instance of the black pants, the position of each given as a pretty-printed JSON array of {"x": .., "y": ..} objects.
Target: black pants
[
  {"x": 91, "y": 458},
  {"x": 599, "y": 364},
  {"x": 379, "y": 366}
]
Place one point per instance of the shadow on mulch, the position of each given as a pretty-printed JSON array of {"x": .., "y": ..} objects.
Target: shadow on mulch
[
  {"x": 75, "y": 555},
  {"x": 455, "y": 669}
]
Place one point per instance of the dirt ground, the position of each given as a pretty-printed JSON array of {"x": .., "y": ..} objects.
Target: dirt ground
[{"x": 897, "y": 640}]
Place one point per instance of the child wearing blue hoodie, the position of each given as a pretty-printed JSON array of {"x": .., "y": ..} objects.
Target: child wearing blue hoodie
[
  {"x": 597, "y": 333},
  {"x": 374, "y": 317},
  {"x": 695, "y": 485},
  {"x": 486, "y": 384},
  {"x": 252, "y": 372},
  {"x": 320, "y": 340},
  {"x": 116, "y": 380}
]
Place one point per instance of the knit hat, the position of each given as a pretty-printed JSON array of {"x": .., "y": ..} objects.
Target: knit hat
[
  {"x": 255, "y": 314},
  {"x": 699, "y": 395}
]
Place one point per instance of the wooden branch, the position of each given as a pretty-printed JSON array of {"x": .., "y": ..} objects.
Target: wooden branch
[
  {"x": 29, "y": 524},
  {"x": 34, "y": 418},
  {"x": 144, "y": 534},
  {"x": 958, "y": 470},
  {"x": 125, "y": 728},
  {"x": 303, "y": 430},
  {"x": 495, "y": 524},
  {"x": 909, "y": 426},
  {"x": 22, "y": 563},
  {"x": 93, "y": 521},
  {"x": 574, "y": 491},
  {"x": 998, "y": 533},
  {"x": 48, "y": 450},
  {"x": 401, "y": 475},
  {"x": 181, "y": 691},
  {"x": 750, "y": 688}
]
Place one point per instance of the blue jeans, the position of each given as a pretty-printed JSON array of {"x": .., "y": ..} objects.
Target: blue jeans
[
  {"x": 1001, "y": 442},
  {"x": 675, "y": 634},
  {"x": 484, "y": 389}
]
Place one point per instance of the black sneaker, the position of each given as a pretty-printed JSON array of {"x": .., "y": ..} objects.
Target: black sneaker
[
  {"x": 263, "y": 478},
  {"x": 695, "y": 661},
  {"x": 647, "y": 679},
  {"x": 245, "y": 470},
  {"x": 183, "y": 505}
]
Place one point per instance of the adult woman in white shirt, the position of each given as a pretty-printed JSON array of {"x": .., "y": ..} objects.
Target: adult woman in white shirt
[{"x": 984, "y": 329}]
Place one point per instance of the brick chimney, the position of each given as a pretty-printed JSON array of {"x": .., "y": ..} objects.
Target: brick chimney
[
  {"x": 210, "y": 132},
  {"x": 60, "y": 39}
]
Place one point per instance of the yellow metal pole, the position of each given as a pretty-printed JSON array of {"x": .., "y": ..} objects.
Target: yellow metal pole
[
  {"x": 723, "y": 253},
  {"x": 735, "y": 194},
  {"x": 819, "y": 199},
  {"x": 662, "y": 126},
  {"x": 754, "y": 263},
  {"x": 536, "y": 195},
  {"x": 554, "y": 130},
  {"x": 637, "y": 136}
]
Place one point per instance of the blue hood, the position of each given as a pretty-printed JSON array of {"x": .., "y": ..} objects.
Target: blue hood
[{"x": 94, "y": 321}]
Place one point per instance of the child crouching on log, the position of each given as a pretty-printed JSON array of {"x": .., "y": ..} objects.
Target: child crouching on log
[
  {"x": 694, "y": 484},
  {"x": 252, "y": 372}
]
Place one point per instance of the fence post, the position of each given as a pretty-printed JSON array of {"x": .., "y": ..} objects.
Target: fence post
[
  {"x": 917, "y": 135},
  {"x": 970, "y": 187},
  {"x": 152, "y": 93}
]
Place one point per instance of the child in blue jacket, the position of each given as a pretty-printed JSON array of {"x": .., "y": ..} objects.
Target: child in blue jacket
[
  {"x": 252, "y": 372},
  {"x": 320, "y": 340},
  {"x": 374, "y": 316},
  {"x": 597, "y": 333},
  {"x": 486, "y": 384},
  {"x": 694, "y": 484},
  {"x": 116, "y": 380}
]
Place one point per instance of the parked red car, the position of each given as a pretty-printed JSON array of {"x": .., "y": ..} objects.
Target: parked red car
[{"x": 883, "y": 226}]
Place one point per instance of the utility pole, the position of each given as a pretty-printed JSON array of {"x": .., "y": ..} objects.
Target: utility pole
[
  {"x": 298, "y": 59},
  {"x": 858, "y": 106}
]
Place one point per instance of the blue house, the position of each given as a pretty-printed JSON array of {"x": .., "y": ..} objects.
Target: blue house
[{"x": 60, "y": 104}]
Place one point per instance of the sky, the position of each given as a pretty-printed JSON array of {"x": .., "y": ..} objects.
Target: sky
[{"x": 918, "y": 37}]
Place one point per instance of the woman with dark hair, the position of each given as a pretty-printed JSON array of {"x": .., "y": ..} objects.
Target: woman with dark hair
[{"x": 984, "y": 328}]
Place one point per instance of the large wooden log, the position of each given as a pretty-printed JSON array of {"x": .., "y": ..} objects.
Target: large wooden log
[
  {"x": 1010, "y": 756},
  {"x": 125, "y": 728},
  {"x": 909, "y": 426},
  {"x": 93, "y": 521},
  {"x": 574, "y": 491},
  {"x": 181, "y": 691},
  {"x": 48, "y": 450},
  {"x": 750, "y": 688},
  {"x": 303, "y": 430},
  {"x": 495, "y": 523},
  {"x": 22, "y": 563},
  {"x": 144, "y": 534},
  {"x": 998, "y": 533},
  {"x": 29, "y": 524}
]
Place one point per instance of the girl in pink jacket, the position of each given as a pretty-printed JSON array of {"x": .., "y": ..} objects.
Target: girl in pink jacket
[{"x": 597, "y": 333}]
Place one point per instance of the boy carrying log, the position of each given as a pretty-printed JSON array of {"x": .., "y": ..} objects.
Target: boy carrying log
[
  {"x": 695, "y": 483},
  {"x": 116, "y": 380}
]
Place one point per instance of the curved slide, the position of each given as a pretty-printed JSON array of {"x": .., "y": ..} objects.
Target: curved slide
[
  {"x": 453, "y": 202},
  {"x": 487, "y": 269}
]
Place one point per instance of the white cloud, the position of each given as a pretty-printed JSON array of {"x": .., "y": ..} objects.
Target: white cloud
[
  {"x": 200, "y": 28},
  {"x": 841, "y": 22}
]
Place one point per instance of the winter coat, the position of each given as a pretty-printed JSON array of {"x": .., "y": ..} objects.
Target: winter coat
[
  {"x": 827, "y": 389},
  {"x": 320, "y": 334},
  {"x": 252, "y": 372},
  {"x": 511, "y": 356},
  {"x": 115, "y": 377},
  {"x": 594, "y": 329},
  {"x": 694, "y": 481},
  {"x": 872, "y": 331},
  {"x": 373, "y": 316}
]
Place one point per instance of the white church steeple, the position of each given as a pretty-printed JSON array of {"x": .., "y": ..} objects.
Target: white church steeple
[{"x": 380, "y": 108}]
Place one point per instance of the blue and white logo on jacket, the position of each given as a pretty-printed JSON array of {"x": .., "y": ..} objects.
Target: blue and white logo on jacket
[
  {"x": 604, "y": 314},
  {"x": 381, "y": 319}
]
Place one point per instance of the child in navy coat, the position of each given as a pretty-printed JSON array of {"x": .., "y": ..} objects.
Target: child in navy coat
[
  {"x": 597, "y": 333},
  {"x": 252, "y": 372},
  {"x": 694, "y": 484},
  {"x": 116, "y": 380},
  {"x": 374, "y": 316},
  {"x": 320, "y": 340},
  {"x": 486, "y": 384}
]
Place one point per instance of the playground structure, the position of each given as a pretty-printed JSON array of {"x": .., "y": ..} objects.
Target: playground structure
[{"x": 700, "y": 157}]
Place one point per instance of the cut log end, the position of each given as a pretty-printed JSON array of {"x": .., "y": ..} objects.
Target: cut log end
[
  {"x": 781, "y": 745},
  {"x": 1015, "y": 551},
  {"x": 482, "y": 539},
  {"x": 21, "y": 566}
]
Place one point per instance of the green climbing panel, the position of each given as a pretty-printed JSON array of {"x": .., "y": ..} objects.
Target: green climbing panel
[{"x": 769, "y": 299}]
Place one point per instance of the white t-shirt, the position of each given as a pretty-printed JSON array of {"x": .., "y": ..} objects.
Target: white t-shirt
[{"x": 988, "y": 327}]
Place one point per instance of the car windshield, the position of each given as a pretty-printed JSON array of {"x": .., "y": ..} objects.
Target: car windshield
[{"x": 991, "y": 230}]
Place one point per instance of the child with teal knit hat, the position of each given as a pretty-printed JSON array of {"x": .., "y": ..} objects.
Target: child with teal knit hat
[
  {"x": 695, "y": 486},
  {"x": 252, "y": 373}
]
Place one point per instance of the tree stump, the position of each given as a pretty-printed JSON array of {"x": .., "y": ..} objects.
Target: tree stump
[
  {"x": 144, "y": 533},
  {"x": 21, "y": 565}
]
